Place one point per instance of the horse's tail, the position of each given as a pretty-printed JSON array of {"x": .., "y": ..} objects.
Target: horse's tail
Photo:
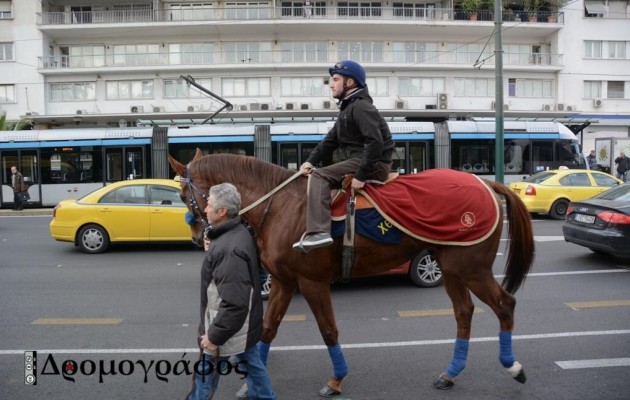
[{"x": 520, "y": 233}]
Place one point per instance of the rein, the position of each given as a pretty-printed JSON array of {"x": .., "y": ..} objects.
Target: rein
[
  {"x": 268, "y": 195},
  {"x": 194, "y": 204}
]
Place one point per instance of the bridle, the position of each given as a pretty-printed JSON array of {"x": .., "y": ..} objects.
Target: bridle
[{"x": 191, "y": 217}]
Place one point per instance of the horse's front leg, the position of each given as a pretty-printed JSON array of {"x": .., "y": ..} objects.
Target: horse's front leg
[
  {"x": 317, "y": 294},
  {"x": 279, "y": 299},
  {"x": 463, "y": 308}
]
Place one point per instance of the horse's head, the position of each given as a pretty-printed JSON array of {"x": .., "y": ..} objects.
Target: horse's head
[{"x": 195, "y": 196}]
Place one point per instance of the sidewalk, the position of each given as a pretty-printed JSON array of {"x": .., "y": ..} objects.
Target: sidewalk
[{"x": 27, "y": 211}]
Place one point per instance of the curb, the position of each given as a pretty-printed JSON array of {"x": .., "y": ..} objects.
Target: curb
[{"x": 7, "y": 212}]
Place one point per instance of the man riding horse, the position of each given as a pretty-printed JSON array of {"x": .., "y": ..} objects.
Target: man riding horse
[{"x": 362, "y": 135}]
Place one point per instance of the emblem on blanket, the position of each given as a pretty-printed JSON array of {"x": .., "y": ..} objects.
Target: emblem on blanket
[
  {"x": 371, "y": 224},
  {"x": 468, "y": 219}
]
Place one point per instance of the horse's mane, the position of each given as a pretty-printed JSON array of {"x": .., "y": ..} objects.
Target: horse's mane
[{"x": 233, "y": 168}]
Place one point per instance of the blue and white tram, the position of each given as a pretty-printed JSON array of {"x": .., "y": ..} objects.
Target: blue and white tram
[
  {"x": 69, "y": 163},
  {"x": 58, "y": 164}
]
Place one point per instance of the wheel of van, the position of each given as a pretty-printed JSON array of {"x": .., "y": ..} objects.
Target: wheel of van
[
  {"x": 93, "y": 239},
  {"x": 559, "y": 209},
  {"x": 424, "y": 270}
]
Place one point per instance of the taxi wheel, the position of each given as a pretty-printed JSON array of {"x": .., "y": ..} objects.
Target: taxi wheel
[
  {"x": 424, "y": 270},
  {"x": 559, "y": 209},
  {"x": 93, "y": 239}
]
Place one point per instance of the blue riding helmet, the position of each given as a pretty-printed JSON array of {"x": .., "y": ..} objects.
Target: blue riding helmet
[{"x": 350, "y": 69}]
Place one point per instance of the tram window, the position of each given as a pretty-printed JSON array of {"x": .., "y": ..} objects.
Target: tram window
[
  {"x": 70, "y": 165},
  {"x": 513, "y": 157},
  {"x": 472, "y": 156},
  {"x": 417, "y": 157},
  {"x": 542, "y": 154},
  {"x": 398, "y": 160}
]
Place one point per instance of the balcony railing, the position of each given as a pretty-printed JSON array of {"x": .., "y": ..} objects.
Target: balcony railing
[
  {"x": 221, "y": 13},
  {"x": 281, "y": 57}
]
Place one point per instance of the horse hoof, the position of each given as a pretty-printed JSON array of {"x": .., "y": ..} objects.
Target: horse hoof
[
  {"x": 328, "y": 392},
  {"x": 443, "y": 383},
  {"x": 521, "y": 378}
]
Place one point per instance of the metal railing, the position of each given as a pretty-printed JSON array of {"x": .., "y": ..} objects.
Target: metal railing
[
  {"x": 283, "y": 57},
  {"x": 262, "y": 13}
]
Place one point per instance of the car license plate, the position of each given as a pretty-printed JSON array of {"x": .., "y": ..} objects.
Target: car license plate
[{"x": 587, "y": 219}]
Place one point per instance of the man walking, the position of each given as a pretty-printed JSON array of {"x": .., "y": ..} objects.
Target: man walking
[
  {"x": 17, "y": 181},
  {"x": 623, "y": 165},
  {"x": 231, "y": 304}
]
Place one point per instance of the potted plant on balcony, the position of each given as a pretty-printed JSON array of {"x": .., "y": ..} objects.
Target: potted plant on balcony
[
  {"x": 554, "y": 6},
  {"x": 472, "y": 7},
  {"x": 532, "y": 7}
]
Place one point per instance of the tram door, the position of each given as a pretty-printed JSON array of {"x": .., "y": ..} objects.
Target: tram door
[
  {"x": 292, "y": 155},
  {"x": 27, "y": 162},
  {"x": 410, "y": 157},
  {"x": 122, "y": 163}
]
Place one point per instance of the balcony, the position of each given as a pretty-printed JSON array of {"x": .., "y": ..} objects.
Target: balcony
[
  {"x": 291, "y": 59},
  {"x": 269, "y": 13}
]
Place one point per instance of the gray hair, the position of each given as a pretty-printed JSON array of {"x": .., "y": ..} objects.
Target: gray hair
[{"x": 226, "y": 196}]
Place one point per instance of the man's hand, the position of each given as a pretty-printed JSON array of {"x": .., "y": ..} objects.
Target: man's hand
[
  {"x": 307, "y": 168},
  {"x": 207, "y": 345},
  {"x": 357, "y": 184}
]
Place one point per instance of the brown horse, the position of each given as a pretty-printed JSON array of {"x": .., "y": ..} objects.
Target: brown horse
[{"x": 279, "y": 221}]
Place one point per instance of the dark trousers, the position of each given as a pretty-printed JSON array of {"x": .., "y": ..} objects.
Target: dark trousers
[
  {"x": 17, "y": 201},
  {"x": 320, "y": 183}
]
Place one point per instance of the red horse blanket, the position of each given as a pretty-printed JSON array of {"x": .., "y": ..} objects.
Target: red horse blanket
[{"x": 439, "y": 206}]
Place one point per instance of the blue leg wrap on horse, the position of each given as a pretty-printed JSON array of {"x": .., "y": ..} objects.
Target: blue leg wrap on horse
[
  {"x": 506, "y": 355},
  {"x": 340, "y": 368},
  {"x": 460, "y": 354},
  {"x": 263, "y": 349}
]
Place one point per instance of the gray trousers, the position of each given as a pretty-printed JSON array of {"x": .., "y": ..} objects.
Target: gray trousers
[{"x": 320, "y": 183}]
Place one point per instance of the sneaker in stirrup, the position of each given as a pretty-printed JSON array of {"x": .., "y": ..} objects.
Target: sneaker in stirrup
[{"x": 313, "y": 240}]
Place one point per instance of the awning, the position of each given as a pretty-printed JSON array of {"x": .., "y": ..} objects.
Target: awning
[{"x": 595, "y": 7}]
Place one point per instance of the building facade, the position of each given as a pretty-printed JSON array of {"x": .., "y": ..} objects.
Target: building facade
[{"x": 119, "y": 63}]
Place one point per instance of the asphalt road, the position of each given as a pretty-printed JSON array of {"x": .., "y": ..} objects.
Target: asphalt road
[{"x": 135, "y": 309}]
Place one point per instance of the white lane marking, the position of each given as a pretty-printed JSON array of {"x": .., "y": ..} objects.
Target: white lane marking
[
  {"x": 548, "y": 238},
  {"x": 604, "y": 362},
  {"x": 600, "y": 271},
  {"x": 322, "y": 347}
]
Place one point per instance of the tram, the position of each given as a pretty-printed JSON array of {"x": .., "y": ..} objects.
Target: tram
[{"x": 59, "y": 164}]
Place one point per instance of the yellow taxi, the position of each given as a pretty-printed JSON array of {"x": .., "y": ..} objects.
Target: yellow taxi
[
  {"x": 142, "y": 210},
  {"x": 550, "y": 192}
]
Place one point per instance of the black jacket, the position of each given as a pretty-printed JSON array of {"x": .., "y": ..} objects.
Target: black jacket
[
  {"x": 360, "y": 132},
  {"x": 231, "y": 303},
  {"x": 623, "y": 164}
]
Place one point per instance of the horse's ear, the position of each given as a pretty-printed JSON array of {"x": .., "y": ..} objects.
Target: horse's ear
[
  {"x": 178, "y": 167},
  {"x": 198, "y": 154}
]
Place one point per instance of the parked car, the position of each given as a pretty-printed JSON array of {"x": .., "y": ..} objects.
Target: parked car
[
  {"x": 143, "y": 210},
  {"x": 423, "y": 271},
  {"x": 550, "y": 192},
  {"x": 601, "y": 223}
]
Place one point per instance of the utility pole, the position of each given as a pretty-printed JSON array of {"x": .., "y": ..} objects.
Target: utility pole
[{"x": 499, "y": 165}]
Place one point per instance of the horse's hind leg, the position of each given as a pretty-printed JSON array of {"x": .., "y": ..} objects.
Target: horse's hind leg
[
  {"x": 317, "y": 294},
  {"x": 502, "y": 303},
  {"x": 463, "y": 308}
]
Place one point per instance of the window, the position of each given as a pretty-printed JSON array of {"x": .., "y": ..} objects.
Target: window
[
  {"x": 413, "y": 10},
  {"x": 594, "y": 8},
  {"x": 79, "y": 91},
  {"x": 616, "y": 89},
  {"x": 191, "y": 53},
  {"x": 165, "y": 196},
  {"x": 6, "y": 52},
  {"x": 362, "y": 51},
  {"x": 592, "y": 49},
  {"x": 195, "y": 93},
  {"x": 247, "y": 52},
  {"x": 474, "y": 87},
  {"x": 378, "y": 86},
  {"x": 579, "y": 179},
  {"x": 356, "y": 9},
  {"x": 617, "y": 50},
  {"x": 135, "y": 55},
  {"x": 126, "y": 90},
  {"x": 312, "y": 86},
  {"x": 408, "y": 86},
  {"x": 592, "y": 89},
  {"x": 175, "y": 89},
  {"x": 83, "y": 56},
  {"x": 301, "y": 52},
  {"x": 415, "y": 52},
  {"x": 246, "y": 87},
  {"x": 247, "y": 10},
  {"x": 7, "y": 93},
  {"x": 530, "y": 87},
  {"x": 190, "y": 11},
  {"x": 71, "y": 164},
  {"x": 5, "y": 9}
]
